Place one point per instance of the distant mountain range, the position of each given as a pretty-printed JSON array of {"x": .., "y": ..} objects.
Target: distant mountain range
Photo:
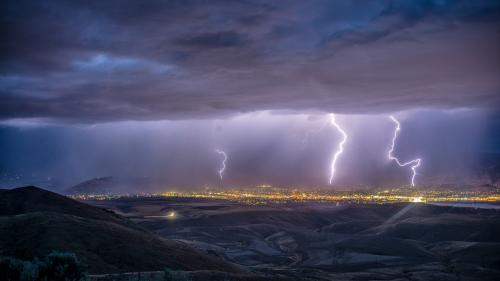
[
  {"x": 34, "y": 222},
  {"x": 94, "y": 186},
  {"x": 112, "y": 185}
]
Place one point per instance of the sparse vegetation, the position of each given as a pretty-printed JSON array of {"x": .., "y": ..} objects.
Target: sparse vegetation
[
  {"x": 56, "y": 266},
  {"x": 172, "y": 275}
]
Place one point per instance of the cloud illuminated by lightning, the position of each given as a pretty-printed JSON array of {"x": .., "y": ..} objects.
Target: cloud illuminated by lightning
[
  {"x": 340, "y": 148},
  {"x": 312, "y": 132},
  {"x": 415, "y": 163},
  {"x": 223, "y": 167}
]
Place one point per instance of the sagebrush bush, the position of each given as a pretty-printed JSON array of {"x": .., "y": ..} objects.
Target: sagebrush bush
[
  {"x": 172, "y": 275},
  {"x": 56, "y": 266}
]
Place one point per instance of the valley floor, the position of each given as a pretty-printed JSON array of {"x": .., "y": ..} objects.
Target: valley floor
[{"x": 410, "y": 241}]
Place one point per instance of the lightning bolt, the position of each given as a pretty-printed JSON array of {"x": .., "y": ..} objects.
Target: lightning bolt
[
  {"x": 223, "y": 167},
  {"x": 415, "y": 163},
  {"x": 340, "y": 148}
]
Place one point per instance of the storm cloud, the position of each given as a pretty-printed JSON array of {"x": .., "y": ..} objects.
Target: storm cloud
[{"x": 99, "y": 61}]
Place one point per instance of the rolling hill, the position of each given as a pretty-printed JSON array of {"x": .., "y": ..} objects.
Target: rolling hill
[{"x": 34, "y": 222}]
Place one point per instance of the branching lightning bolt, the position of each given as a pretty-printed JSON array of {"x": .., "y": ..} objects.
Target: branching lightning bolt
[
  {"x": 340, "y": 148},
  {"x": 223, "y": 167},
  {"x": 415, "y": 163}
]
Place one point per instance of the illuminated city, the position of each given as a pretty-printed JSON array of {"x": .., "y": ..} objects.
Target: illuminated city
[{"x": 265, "y": 194}]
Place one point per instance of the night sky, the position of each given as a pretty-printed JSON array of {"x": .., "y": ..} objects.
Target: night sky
[{"x": 151, "y": 88}]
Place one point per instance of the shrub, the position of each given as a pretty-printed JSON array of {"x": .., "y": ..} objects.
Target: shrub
[
  {"x": 172, "y": 275},
  {"x": 10, "y": 268},
  {"x": 59, "y": 266},
  {"x": 54, "y": 267},
  {"x": 31, "y": 270}
]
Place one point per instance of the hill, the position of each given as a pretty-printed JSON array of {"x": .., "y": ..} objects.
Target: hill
[
  {"x": 33, "y": 199},
  {"x": 93, "y": 186},
  {"x": 112, "y": 185},
  {"x": 34, "y": 222}
]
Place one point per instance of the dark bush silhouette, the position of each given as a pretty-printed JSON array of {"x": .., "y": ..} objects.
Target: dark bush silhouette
[
  {"x": 172, "y": 275},
  {"x": 10, "y": 268},
  {"x": 54, "y": 267},
  {"x": 61, "y": 267}
]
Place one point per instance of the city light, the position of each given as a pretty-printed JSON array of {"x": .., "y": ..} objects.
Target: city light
[
  {"x": 266, "y": 194},
  {"x": 171, "y": 215}
]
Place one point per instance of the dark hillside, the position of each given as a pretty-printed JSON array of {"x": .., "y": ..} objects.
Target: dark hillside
[{"x": 34, "y": 222}]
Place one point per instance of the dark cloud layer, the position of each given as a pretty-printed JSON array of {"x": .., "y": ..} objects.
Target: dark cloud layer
[{"x": 145, "y": 60}]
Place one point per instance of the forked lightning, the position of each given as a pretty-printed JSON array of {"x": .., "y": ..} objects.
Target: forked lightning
[{"x": 415, "y": 163}]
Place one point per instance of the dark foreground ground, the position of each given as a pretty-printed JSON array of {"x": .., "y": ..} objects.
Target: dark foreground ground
[
  {"x": 327, "y": 242},
  {"x": 224, "y": 241}
]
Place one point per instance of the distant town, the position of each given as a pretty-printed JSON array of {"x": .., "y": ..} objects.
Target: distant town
[{"x": 264, "y": 194}]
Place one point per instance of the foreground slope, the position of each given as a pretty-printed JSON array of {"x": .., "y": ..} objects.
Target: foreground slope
[
  {"x": 34, "y": 222},
  {"x": 325, "y": 242}
]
